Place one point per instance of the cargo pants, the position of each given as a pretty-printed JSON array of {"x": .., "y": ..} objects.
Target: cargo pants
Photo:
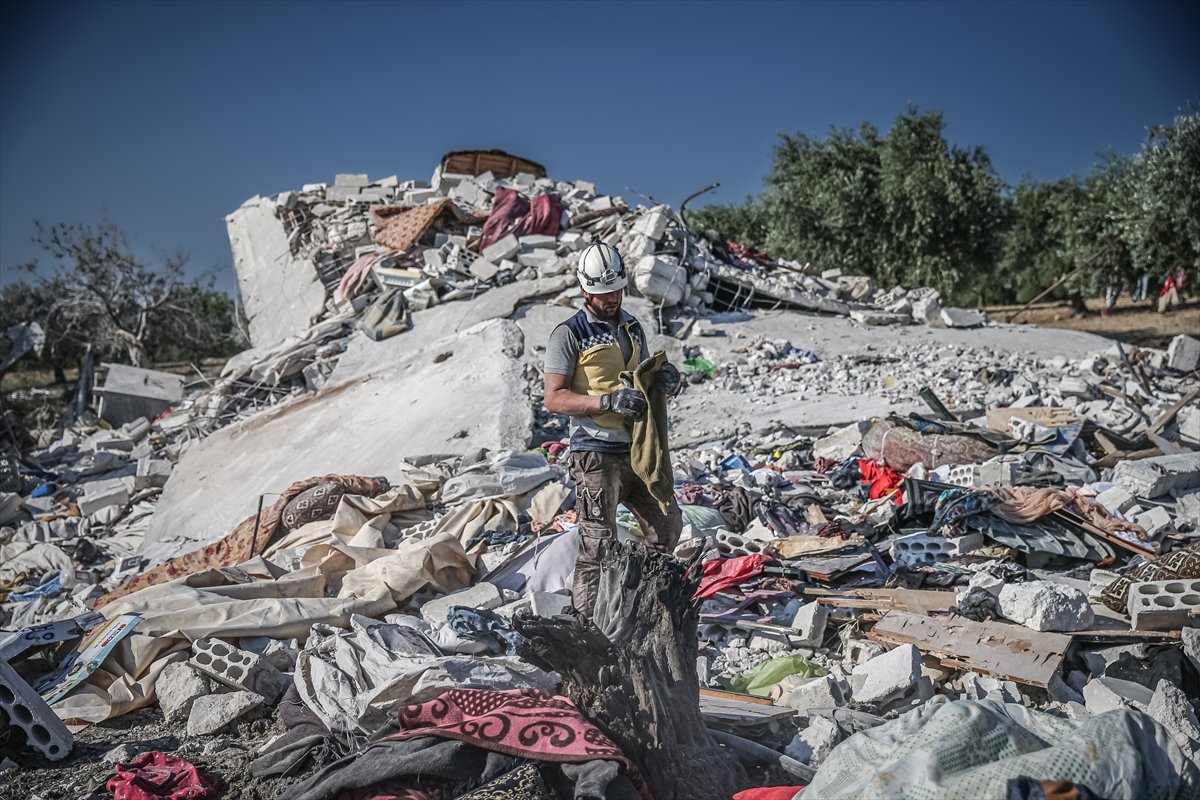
[{"x": 602, "y": 481}]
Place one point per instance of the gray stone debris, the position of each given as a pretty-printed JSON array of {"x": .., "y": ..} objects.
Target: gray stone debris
[
  {"x": 886, "y": 677},
  {"x": 1046, "y": 606},
  {"x": 1171, "y": 707},
  {"x": 213, "y": 712},
  {"x": 811, "y": 745},
  {"x": 178, "y": 687}
]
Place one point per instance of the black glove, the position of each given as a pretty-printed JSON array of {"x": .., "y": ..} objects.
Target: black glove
[
  {"x": 626, "y": 402},
  {"x": 669, "y": 381}
]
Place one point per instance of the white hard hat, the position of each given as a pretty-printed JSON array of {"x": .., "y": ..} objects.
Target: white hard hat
[{"x": 601, "y": 269}]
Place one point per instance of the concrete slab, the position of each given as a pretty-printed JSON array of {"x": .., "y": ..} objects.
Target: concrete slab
[
  {"x": 391, "y": 401},
  {"x": 281, "y": 294}
]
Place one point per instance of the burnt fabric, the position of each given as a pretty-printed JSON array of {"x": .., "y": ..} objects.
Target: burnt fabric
[
  {"x": 424, "y": 768},
  {"x": 514, "y": 213},
  {"x": 157, "y": 776},
  {"x": 648, "y": 452},
  {"x": 400, "y": 227},
  {"x": 1180, "y": 563},
  {"x": 603, "y": 481},
  {"x": 520, "y": 722},
  {"x": 722, "y": 573},
  {"x": 526, "y": 782},
  {"x": 483, "y": 626},
  {"x": 249, "y": 538}
]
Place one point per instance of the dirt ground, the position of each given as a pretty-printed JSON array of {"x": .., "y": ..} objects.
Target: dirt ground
[
  {"x": 1134, "y": 323},
  {"x": 84, "y": 773}
]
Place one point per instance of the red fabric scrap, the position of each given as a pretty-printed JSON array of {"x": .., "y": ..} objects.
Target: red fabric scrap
[
  {"x": 883, "y": 480},
  {"x": 721, "y": 573},
  {"x": 514, "y": 213},
  {"x": 155, "y": 775},
  {"x": 769, "y": 793}
]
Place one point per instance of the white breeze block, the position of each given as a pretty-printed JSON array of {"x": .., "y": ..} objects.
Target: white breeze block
[
  {"x": 809, "y": 624},
  {"x": 652, "y": 225},
  {"x": 1151, "y": 477},
  {"x": 886, "y": 677},
  {"x": 237, "y": 668},
  {"x": 1163, "y": 605},
  {"x": 482, "y": 595},
  {"x": 730, "y": 544},
  {"x": 919, "y": 549},
  {"x": 28, "y": 711},
  {"x": 1046, "y": 606},
  {"x": 965, "y": 475}
]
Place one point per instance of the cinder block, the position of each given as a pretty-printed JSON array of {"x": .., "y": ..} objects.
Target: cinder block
[
  {"x": 237, "y": 668},
  {"x": 730, "y": 544},
  {"x": 965, "y": 475},
  {"x": 482, "y": 595},
  {"x": 653, "y": 224},
  {"x": 152, "y": 472},
  {"x": 1163, "y": 605},
  {"x": 919, "y": 549},
  {"x": 28, "y": 711},
  {"x": 111, "y": 493},
  {"x": 997, "y": 473}
]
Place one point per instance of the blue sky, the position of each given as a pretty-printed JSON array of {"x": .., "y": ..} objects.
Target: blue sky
[{"x": 166, "y": 116}]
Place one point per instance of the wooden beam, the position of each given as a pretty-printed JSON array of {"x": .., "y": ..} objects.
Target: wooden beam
[{"x": 1010, "y": 652}]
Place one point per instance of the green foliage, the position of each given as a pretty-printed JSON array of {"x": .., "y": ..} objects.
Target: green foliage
[
  {"x": 745, "y": 224},
  {"x": 908, "y": 208},
  {"x": 98, "y": 293}
]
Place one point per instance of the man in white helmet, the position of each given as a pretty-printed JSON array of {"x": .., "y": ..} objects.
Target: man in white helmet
[{"x": 584, "y": 359}]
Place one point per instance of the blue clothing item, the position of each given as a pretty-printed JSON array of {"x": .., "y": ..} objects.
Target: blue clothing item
[
  {"x": 50, "y": 587},
  {"x": 44, "y": 490},
  {"x": 483, "y": 626},
  {"x": 736, "y": 461}
]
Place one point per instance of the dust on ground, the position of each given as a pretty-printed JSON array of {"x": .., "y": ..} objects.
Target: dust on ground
[{"x": 1137, "y": 323}]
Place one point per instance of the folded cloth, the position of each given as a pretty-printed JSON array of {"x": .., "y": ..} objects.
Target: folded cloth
[
  {"x": 520, "y": 722},
  {"x": 154, "y": 775},
  {"x": 649, "y": 454}
]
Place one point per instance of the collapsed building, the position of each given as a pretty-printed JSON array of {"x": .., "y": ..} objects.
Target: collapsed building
[{"x": 958, "y": 542}]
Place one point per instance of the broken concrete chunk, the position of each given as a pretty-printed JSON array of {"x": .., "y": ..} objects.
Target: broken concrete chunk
[
  {"x": 178, "y": 687},
  {"x": 813, "y": 744},
  {"x": 213, "y": 712},
  {"x": 842, "y": 443},
  {"x": 1115, "y": 499},
  {"x": 661, "y": 280},
  {"x": 237, "y": 668},
  {"x": 152, "y": 473},
  {"x": 886, "y": 677},
  {"x": 1154, "y": 520},
  {"x": 1183, "y": 353},
  {"x": 867, "y": 316},
  {"x": 809, "y": 623},
  {"x": 1046, "y": 606},
  {"x": 822, "y": 692},
  {"x": 1109, "y": 694},
  {"x": 1153, "y": 477},
  {"x": 962, "y": 317},
  {"x": 502, "y": 249},
  {"x": 1170, "y": 708},
  {"x": 653, "y": 224},
  {"x": 482, "y": 595}
]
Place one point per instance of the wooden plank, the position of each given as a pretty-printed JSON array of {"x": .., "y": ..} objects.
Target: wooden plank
[
  {"x": 1050, "y": 416},
  {"x": 1010, "y": 652},
  {"x": 1165, "y": 417},
  {"x": 734, "y": 697},
  {"x": 1137, "y": 455},
  {"x": 794, "y": 546},
  {"x": 917, "y": 601}
]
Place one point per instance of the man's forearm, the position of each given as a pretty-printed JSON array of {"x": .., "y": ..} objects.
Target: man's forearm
[{"x": 573, "y": 404}]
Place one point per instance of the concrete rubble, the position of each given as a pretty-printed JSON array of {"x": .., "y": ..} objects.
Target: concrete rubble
[{"x": 347, "y": 519}]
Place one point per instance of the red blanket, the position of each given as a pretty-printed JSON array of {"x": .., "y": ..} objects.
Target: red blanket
[
  {"x": 520, "y": 722},
  {"x": 157, "y": 776}
]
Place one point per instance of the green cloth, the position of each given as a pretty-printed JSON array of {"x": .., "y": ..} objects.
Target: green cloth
[
  {"x": 758, "y": 681},
  {"x": 648, "y": 452}
]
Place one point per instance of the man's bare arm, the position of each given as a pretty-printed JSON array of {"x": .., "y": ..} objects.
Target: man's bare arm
[{"x": 559, "y": 399}]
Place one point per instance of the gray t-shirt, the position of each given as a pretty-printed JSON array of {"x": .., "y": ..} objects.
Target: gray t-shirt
[{"x": 562, "y": 354}]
